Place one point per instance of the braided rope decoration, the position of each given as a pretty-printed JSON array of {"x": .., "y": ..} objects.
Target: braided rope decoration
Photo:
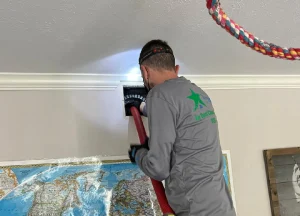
[{"x": 246, "y": 38}]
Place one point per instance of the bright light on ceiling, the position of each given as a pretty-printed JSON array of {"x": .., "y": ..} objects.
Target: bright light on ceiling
[{"x": 134, "y": 74}]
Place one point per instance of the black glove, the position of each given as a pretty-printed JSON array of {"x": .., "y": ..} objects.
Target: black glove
[
  {"x": 133, "y": 102},
  {"x": 134, "y": 148}
]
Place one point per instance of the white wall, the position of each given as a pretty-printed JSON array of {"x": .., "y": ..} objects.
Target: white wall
[
  {"x": 58, "y": 124},
  {"x": 251, "y": 121}
]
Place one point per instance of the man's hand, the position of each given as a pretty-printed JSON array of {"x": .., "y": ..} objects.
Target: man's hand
[
  {"x": 133, "y": 102},
  {"x": 134, "y": 149}
]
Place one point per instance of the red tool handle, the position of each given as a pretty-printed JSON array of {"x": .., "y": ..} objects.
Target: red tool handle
[{"x": 157, "y": 185}]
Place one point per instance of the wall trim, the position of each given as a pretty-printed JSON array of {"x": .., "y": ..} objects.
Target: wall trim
[{"x": 77, "y": 81}]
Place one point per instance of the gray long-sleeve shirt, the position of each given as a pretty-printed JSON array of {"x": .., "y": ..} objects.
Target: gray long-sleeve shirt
[{"x": 184, "y": 149}]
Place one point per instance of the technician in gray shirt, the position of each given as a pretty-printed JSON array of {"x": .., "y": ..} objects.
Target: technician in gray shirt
[{"x": 183, "y": 147}]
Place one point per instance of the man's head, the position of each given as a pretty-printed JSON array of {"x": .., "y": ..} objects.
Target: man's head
[{"x": 157, "y": 63}]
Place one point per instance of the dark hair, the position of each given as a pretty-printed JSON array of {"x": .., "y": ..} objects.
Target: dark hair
[{"x": 157, "y": 54}]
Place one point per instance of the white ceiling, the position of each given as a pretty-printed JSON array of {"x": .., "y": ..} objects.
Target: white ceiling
[{"x": 105, "y": 36}]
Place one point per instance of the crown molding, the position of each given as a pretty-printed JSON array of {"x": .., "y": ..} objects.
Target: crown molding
[
  {"x": 58, "y": 81},
  {"x": 79, "y": 81},
  {"x": 246, "y": 81}
]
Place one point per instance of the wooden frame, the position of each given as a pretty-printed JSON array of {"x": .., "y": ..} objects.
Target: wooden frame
[{"x": 280, "y": 169}]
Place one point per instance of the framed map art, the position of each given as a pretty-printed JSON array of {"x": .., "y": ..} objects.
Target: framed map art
[{"x": 97, "y": 186}]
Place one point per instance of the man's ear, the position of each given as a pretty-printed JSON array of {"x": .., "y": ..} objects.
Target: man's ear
[
  {"x": 177, "y": 69},
  {"x": 144, "y": 72}
]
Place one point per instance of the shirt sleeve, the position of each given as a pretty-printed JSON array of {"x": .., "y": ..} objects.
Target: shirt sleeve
[
  {"x": 143, "y": 109},
  {"x": 155, "y": 162}
]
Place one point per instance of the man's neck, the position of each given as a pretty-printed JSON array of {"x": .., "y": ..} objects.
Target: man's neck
[{"x": 167, "y": 76}]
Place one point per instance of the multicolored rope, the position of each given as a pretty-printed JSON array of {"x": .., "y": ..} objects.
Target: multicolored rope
[{"x": 265, "y": 48}]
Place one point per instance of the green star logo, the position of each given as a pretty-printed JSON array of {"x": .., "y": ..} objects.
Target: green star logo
[{"x": 196, "y": 98}]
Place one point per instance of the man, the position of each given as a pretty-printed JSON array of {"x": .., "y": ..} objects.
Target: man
[{"x": 183, "y": 147}]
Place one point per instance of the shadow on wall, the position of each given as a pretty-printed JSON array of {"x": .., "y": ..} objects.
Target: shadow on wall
[
  {"x": 94, "y": 139},
  {"x": 133, "y": 137},
  {"x": 97, "y": 139},
  {"x": 100, "y": 127}
]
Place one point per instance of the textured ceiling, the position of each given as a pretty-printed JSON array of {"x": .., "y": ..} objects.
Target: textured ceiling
[{"x": 105, "y": 36}]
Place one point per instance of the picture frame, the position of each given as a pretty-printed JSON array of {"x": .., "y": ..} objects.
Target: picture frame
[
  {"x": 283, "y": 179},
  {"x": 228, "y": 175},
  {"x": 27, "y": 174}
]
